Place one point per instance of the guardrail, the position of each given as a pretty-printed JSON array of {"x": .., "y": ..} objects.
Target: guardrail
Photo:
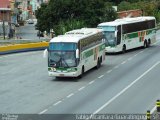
[{"x": 7, "y": 49}]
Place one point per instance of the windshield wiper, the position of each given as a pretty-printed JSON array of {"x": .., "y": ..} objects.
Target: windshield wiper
[
  {"x": 60, "y": 64},
  {"x": 65, "y": 62},
  {"x": 108, "y": 42},
  {"x": 52, "y": 62}
]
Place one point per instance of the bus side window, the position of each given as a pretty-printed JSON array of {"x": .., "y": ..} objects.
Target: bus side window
[{"x": 119, "y": 35}]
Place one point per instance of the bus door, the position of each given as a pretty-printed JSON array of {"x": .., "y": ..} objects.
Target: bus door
[{"x": 119, "y": 34}]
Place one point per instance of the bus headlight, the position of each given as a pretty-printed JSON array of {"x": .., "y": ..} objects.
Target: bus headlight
[{"x": 54, "y": 69}]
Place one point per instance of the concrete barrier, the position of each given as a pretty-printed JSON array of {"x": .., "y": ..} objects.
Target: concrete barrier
[{"x": 23, "y": 47}]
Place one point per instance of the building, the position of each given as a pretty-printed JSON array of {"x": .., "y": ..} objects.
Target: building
[
  {"x": 130, "y": 13},
  {"x": 18, "y": 10},
  {"x": 23, "y": 9},
  {"x": 27, "y": 8},
  {"x": 5, "y": 10},
  {"x": 37, "y": 3}
]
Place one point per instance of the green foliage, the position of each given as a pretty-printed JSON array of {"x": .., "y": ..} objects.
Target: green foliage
[
  {"x": 149, "y": 7},
  {"x": 64, "y": 26},
  {"x": 65, "y": 15},
  {"x": 41, "y": 17}
]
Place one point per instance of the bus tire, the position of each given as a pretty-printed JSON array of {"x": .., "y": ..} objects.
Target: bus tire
[
  {"x": 82, "y": 72},
  {"x": 145, "y": 44},
  {"x": 58, "y": 78},
  {"x": 98, "y": 64},
  {"x": 124, "y": 49},
  {"x": 149, "y": 42},
  {"x": 101, "y": 59}
]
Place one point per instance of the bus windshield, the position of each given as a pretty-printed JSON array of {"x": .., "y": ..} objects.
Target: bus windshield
[
  {"x": 62, "y": 55},
  {"x": 109, "y": 33},
  {"x": 110, "y": 38},
  {"x": 62, "y": 46}
]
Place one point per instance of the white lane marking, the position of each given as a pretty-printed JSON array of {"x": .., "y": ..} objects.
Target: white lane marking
[
  {"x": 130, "y": 58},
  {"x": 109, "y": 71},
  {"x": 152, "y": 111},
  {"x": 123, "y": 62},
  {"x": 43, "y": 111},
  {"x": 70, "y": 95},
  {"x": 141, "y": 51},
  {"x": 156, "y": 42},
  {"x": 81, "y": 88},
  {"x": 126, "y": 88},
  {"x": 101, "y": 76},
  {"x": 16, "y": 54},
  {"x": 135, "y": 55},
  {"x": 116, "y": 67},
  {"x": 91, "y": 82},
  {"x": 5, "y": 56},
  {"x": 57, "y": 103}
]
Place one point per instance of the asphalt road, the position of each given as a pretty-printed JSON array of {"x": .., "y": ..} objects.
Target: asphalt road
[
  {"x": 27, "y": 32},
  {"x": 126, "y": 83}
]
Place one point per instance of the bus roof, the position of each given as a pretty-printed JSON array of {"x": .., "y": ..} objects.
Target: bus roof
[
  {"x": 126, "y": 21},
  {"x": 76, "y": 35}
]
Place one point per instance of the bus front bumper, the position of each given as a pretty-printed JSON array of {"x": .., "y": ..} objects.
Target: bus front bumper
[
  {"x": 110, "y": 50},
  {"x": 63, "y": 74}
]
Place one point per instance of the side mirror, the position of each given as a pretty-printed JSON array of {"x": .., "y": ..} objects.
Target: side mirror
[
  {"x": 103, "y": 40},
  {"x": 77, "y": 53},
  {"x": 116, "y": 33},
  {"x": 45, "y": 53}
]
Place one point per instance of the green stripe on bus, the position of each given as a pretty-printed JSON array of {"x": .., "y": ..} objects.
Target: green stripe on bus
[
  {"x": 88, "y": 53},
  {"x": 102, "y": 47},
  {"x": 150, "y": 31},
  {"x": 91, "y": 52},
  {"x": 132, "y": 35},
  {"x": 135, "y": 34}
]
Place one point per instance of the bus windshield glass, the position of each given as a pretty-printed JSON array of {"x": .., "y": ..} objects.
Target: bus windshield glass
[
  {"x": 109, "y": 33},
  {"x": 62, "y": 55},
  {"x": 62, "y": 46}
]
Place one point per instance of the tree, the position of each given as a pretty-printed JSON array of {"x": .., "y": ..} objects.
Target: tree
[
  {"x": 65, "y": 15},
  {"x": 41, "y": 18},
  {"x": 149, "y": 7}
]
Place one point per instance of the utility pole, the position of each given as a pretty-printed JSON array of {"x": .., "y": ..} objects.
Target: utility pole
[
  {"x": 4, "y": 30},
  {"x": 3, "y": 26}
]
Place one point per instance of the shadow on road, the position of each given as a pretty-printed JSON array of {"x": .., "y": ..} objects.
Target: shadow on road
[
  {"x": 128, "y": 51},
  {"x": 77, "y": 79}
]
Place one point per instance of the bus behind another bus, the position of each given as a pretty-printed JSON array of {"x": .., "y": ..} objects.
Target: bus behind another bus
[{"x": 128, "y": 33}]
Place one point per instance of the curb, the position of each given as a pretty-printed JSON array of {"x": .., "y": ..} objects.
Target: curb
[{"x": 23, "y": 47}]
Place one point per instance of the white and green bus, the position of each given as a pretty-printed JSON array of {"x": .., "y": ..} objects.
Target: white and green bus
[
  {"x": 128, "y": 33},
  {"x": 76, "y": 52}
]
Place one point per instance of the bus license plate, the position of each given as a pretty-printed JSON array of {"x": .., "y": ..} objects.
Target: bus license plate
[{"x": 61, "y": 74}]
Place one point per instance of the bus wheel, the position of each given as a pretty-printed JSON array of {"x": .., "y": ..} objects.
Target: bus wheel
[
  {"x": 100, "y": 61},
  {"x": 145, "y": 44},
  {"x": 149, "y": 42},
  {"x": 124, "y": 49},
  {"x": 98, "y": 64},
  {"x": 82, "y": 72},
  {"x": 58, "y": 78}
]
